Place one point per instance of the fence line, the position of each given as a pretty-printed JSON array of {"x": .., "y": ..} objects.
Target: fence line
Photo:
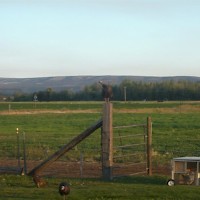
[{"x": 132, "y": 125}]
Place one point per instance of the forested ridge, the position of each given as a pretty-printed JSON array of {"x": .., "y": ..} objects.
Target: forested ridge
[{"x": 126, "y": 90}]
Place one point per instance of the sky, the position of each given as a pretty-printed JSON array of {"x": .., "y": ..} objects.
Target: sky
[{"x": 42, "y": 38}]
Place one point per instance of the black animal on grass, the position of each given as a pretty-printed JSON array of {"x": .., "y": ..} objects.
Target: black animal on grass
[{"x": 64, "y": 189}]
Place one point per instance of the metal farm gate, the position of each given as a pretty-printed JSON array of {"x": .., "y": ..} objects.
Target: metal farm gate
[{"x": 131, "y": 149}]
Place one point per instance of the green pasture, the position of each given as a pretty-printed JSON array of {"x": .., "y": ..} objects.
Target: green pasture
[
  {"x": 75, "y": 105},
  {"x": 176, "y": 132},
  {"x": 6, "y": 106}
]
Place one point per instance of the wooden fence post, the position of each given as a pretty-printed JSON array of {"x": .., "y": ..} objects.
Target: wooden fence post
[
  {"x": 24, "y": 150},
  {"x": 149, "y": 146},
  {"x": 107, "y": 141},
  {"x": 18, "y": 148}
]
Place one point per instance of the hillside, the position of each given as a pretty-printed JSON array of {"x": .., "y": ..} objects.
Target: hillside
[{"x": 74, "y": 83}]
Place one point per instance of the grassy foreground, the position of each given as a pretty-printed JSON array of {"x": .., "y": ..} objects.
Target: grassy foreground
[
  {"x": 176, "y": 132},
  {"x": 20, "y": 187}
]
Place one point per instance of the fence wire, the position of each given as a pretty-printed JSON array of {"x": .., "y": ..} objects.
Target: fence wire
[
  {"x": 27, "y": 151},
  {"x": 130, "y": 148}
]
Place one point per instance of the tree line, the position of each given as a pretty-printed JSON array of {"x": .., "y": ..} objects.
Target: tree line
[{"x": 126, "y": 90}]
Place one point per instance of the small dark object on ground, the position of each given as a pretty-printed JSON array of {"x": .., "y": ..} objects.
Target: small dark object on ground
[{"x": 39, "y": 182}]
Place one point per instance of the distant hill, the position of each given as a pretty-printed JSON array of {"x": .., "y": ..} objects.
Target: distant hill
[{"x": 74, "y": 83}]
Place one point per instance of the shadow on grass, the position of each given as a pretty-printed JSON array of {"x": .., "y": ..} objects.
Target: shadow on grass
[
  {"x": 151, "y": 180},
  {"x": 155, "y": 180}
]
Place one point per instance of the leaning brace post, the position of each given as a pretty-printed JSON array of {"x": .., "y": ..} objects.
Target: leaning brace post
[
  {"x": 65, "y": 148},
  {"x": 107, "y": 141},
  {"x": 149, "y": 146}
]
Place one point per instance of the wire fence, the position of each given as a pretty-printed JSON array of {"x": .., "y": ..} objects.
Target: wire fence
[
  {"x": 84, "y": 160},
  {"x": 27, "y": 151}
]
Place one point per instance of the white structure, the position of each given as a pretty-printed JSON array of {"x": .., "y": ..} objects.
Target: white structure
[{"x": 186, "y": 171}]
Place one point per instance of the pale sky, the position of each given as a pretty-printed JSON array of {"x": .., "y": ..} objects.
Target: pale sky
[{"x": 40, "y": 38}]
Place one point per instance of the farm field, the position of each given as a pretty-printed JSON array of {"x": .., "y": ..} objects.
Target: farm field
[{"x": 49, "y": 125}]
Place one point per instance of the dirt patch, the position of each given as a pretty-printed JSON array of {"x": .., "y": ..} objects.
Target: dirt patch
[{"x": 32, "y": 112}]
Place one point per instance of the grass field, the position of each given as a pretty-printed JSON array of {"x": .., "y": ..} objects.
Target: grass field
[
  {"x": 19, "y": 187},
  {"x": 176, "y": 132}
]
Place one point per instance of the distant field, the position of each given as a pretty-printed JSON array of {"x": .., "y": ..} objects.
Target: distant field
[
  {"x": 176, "y": 125},
  {"x": 138, "y": 106},
  {"x": 49, "y": 125}
]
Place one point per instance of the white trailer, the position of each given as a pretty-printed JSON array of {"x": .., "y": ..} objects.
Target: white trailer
[{"x": 185, "y": 171}]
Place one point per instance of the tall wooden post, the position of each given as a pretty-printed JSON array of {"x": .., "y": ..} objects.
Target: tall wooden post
[
  {"x": 107, "y": 141},
  {"x": 149, "y": 146}
]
